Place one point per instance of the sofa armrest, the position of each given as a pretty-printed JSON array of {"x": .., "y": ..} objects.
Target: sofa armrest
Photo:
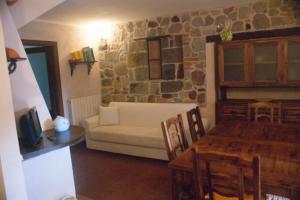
[{"x": 90, "y": 123}]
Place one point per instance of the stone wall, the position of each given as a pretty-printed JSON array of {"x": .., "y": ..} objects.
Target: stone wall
[{"x": 123, "y": 63}]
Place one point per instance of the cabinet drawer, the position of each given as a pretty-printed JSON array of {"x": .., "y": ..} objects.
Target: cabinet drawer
[
  {"x": 291, "y": 114},
  {"x": 233, "y": 111}
]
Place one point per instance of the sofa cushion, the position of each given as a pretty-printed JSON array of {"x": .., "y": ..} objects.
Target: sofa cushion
[
  {"x": 131, "y": 135},
  {"x": 149, "y": 114},
  {"x": 108, "y": 115}
]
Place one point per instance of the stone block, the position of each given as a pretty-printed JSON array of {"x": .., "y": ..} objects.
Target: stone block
[
  {"x": 118, "y": 98},
  {"x": 141, "y": 74},
  {"x": 171, "y": 86},
  {"x": 180, "y": 71},
  {"x": 154, "y": 88},
  {"x": 136, "y": 46},
  {"x": 165, "y": 21},
  {"x": 237, "y": 26},
  {"x": 106, "y": 82},
  {"x": 187, "y": 85},
  {"x": 152, "y": 24},
  {"x": 175, "y": 28},
  {"x": 198, "y": 44},
  {"x": 112, "y": 56},
  {"x": 168, "y": 72},
  {"x": 173, "y": 55},
  {"x": 120, "y": 69},
  {"x": 139, "y": 88},
  {"x": 244, "y": 12},
  {"x": 137, "y": 59},
  {"x": 192, "y": 95},
  {"x": 108, "y": 73},
  {"x": 209, "y": 20},
  {"x": 201, "y": 98},
  {"x": 175, "y": 19},
  {"x": 197, "y": 21},
  {"x": 260, "y": 7},
  {"x": 198, "y": 77},
  {"x": 261, "y": 21},
  {"x": 151, "y": 99}
]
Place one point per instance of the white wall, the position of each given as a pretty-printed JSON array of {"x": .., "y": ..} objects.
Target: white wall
[
  {"x": 11, "y": 165},
  {"x": 25, "y": 90},
  {"x": 69, "y": 38},
  {"x": 210, "y": 83},
  {"x": 50, "y": 176},
  {"x": 24, "y": 11}
]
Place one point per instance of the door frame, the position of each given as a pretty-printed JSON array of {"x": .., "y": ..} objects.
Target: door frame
[{"x": 53, "y": 73}]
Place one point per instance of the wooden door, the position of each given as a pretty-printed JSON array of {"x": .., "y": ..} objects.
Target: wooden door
[
  {"x": 233, "y": 64},
  {"x": 265, "y": 64}
]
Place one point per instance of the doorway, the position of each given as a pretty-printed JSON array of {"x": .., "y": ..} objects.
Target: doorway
[{"x": 43, "y": 58}]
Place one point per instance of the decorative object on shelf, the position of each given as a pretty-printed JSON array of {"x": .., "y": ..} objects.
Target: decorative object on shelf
[
  {"x": 84, "y": 56},
  {"x": 12, "y": 57},
  {"x": 61, "y": 124},
  {"x": 224, "y": 29}
]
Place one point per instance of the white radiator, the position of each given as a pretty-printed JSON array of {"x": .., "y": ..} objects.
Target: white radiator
[{"x": 83, "y": 107}]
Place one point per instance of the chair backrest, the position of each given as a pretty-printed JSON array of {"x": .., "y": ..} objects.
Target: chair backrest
[
  {"x": 195, "y": 124},
  {"x": 174, "y": 136},
  {"x": 226, "y": 175},
  {"x": 264, "y": 110}
]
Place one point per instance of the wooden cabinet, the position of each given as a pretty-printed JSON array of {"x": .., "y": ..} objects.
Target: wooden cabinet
[
  {"x": 261, "y": 62},
  {"x": 233, "y": 110},
  {"x": 292, "y": 61},
  {"x": 233, "y": 64},
  {"x": 237, "y": 109}
]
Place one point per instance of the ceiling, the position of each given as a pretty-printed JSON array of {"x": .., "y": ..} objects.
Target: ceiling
[{"x": 76, "y": 12}]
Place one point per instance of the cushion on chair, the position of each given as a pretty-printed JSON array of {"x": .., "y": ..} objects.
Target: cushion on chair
[
  {"x": 131, "y": 135},
  {"x": 220, "y": 197}
]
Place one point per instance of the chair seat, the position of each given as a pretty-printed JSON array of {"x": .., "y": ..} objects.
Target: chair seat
[{"x": 220, "y": 197}]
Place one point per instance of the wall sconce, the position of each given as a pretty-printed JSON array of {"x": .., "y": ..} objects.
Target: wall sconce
[{"x": 12, "y": 57}]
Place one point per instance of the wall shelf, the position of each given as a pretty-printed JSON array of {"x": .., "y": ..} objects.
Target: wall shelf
[{"x": 89, "y": 65}]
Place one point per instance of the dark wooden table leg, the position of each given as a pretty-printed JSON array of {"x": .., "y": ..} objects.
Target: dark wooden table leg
[
  {"x": 295, "y": 194},
  {"x": 175, "y": 191}
]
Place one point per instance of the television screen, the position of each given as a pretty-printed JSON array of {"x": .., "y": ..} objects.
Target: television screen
[{"x": 30, "y": 127}]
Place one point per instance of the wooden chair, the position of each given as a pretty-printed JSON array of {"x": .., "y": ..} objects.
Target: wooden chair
[
  {"x": 195, "y": 123},
  {"x": 176, "y": 143},
  {"x": 226, "y": 185},
  {"x": 264, "y": 111},
  {"x": 174, "y": 136}
]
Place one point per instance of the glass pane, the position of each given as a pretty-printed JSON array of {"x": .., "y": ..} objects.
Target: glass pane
[
  {"x": 294, "y": 61},
  {"x": 234, "y": 64},
  {"x": 154, "y": 49},
  {"x": 266, "y": 62},
  {"x": 233, "y": 72},
  {"x": 234, "y": 55},
  {"x": 155, "y": 69}
]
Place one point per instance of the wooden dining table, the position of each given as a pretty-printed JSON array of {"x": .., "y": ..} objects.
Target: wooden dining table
[{"x": 278, "y": 146}]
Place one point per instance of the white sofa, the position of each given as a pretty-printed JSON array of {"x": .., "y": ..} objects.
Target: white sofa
[{"x": 139, "y": 131}]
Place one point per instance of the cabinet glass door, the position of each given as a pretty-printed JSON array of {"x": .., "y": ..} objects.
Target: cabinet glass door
[
  {"x": 234, "y": 64},
  {"x": 265, "y": 62},
  {"x": 293, "y": 61}
]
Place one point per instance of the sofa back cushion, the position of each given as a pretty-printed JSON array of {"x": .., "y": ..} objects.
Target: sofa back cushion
[
  {"x": 149, "y": 114},
  {"x": 109, "y": 115}
]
